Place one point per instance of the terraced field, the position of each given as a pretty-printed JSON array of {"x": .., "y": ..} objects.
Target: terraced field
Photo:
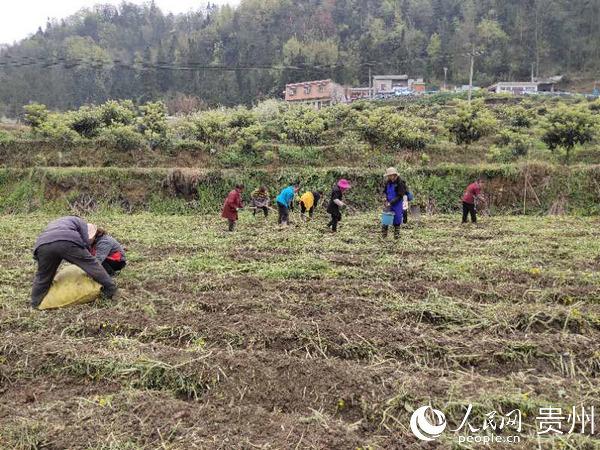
[{"x": 290, "y": 339}]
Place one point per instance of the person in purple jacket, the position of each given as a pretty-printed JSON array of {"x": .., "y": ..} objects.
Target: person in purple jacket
[{"x": 67, "y": 238}]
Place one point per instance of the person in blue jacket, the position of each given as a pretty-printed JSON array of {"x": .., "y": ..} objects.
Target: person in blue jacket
[
  {"x": 394, "y": 192},
  {"x": 285, "y": 200}
]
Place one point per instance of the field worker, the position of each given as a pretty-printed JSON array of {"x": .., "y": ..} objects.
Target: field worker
[
  {"x": 394, "y": 192},
  {"x": 336, "y": 203},
  {"x": 471, "y": 195},
  {"x": 109, "y": 252},
  {"x": 285, "y": 201},
  {"x": 67, "y": 238},
  {"x": 259, "y": 199},
  {"x": 309, "y": 202},
  {"x": 232, "y": 204}
]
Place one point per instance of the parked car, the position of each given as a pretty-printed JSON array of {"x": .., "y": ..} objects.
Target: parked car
[{"x": 403, "y": 92}]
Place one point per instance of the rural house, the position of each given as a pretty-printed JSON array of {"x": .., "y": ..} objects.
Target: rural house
[
  {"x": 387, "y": 83},
  {"x": 514, "y": 87},
  {"x": 315, "y": 93},
  {"x": 548, "y": 84},
  {"x": 357, "y": 93}
]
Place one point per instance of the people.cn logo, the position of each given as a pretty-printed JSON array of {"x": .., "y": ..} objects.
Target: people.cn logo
[{"x": 423, "y": 428}]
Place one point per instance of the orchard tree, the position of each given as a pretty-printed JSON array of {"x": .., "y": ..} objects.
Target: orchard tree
[
  {"x": 35, "y": 115},
  {"x": 470, "y": 122},
  {"x": 567, "y": 127},
  {"x": 384, "y": 126}
]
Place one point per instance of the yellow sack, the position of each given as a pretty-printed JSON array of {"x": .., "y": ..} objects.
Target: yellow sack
[{"x": 71, "y": 286}]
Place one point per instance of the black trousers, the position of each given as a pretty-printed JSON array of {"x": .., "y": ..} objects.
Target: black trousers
[
  {"x": 49, "y": 256},
  {"x": 311, "y": 211},
  {"x": 231, "y": 224},
  {"x": 112, "y": 267},
  {"x": 469, "y": 208},
  {"x": 405, "y": 216},
  {"x": 264, "y": 208},
  {"x": 284, "y": 214},
  {"x": 385, "y": 228},
  {"x": 336, "y": 217}
]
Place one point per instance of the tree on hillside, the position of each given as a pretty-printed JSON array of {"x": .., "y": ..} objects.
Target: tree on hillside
[
  {"x": 470, "y": 122},
  {"x": 567, "y": 127},
  {"x": 100, "y": 52}
]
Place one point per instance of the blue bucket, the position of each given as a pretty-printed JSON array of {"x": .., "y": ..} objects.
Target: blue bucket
[{"x": 387, "y": 218}]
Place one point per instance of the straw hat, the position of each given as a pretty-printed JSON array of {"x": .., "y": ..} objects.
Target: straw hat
[
  {"x": 92, "y": 230},
  {"x": 344, "y": 184},
  {"x": 391, "y": 171}
]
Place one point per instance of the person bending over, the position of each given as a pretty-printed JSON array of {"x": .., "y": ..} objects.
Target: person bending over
[
  {"x": 68, "y": 238},
  {"x": 259, "y": 199},
  {"x": 285, "y": 200},
  {"x": 309, "y": 202},
  {"x": 109, "y": 252},
  {"x": 471, "y": 195},
  {"x": 336, "y": 203}
]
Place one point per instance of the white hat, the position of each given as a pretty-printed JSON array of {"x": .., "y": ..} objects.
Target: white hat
[
  {"x": 391, "y": 171},
  {"x": 92, "y": 230}
]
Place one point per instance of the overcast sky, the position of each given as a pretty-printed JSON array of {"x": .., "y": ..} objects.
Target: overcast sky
[{"x": 19, "y": 18}]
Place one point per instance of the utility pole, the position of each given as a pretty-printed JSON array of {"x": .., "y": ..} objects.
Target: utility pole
[
  {"x": 445, "y": 78},
  {"x": 532, "y": 66},
  {"x": 471, "y": 72},
  {"x": 370, "y": 83}
]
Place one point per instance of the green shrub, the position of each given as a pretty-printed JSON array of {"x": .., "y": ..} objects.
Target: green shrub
[
  {"x": 595, "y": 106},
  {"x": 269, "y": 156},
  {"x": 247, "y": 139},
  {"x": 35, "y": 115},
  {"x": 567, "y": 126},
  {"x": 117, "y": 113},
  {"x": 153, "y": 124},
  {"x": 86, "y": 121},
  {"x": 121, "y": 137},
  {"x": 57, "y": 129},
  {"x": 350, "y": 146},
  {"x": 384, "y": 126},
  {"x": 211, "y": 127},
  {"x": 269, "y": 110},
  {"x": 5, "y": 137},
  {"x": 303, "y": 125},
  {"x": 300, "y": 155},
  {"x": 232, "y": 158},
  {"x": 241, "y": 117},
  {"x": 515, "y": 117},
  {"x": 470, "y": 122},
  {"x": 518, "y": 143}
]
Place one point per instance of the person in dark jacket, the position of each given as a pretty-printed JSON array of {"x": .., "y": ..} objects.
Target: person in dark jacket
[
  {"x": 67, "y": 238},
  {"x": 394, "y": 192},
  {"x": 109, "y": 252},
  {"x": 233, "y": 202},
  {"x": 336, "y": 203}
]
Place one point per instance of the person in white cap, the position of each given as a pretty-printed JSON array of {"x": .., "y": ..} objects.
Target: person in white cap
[
  {"x": 394, "y": 192},
  {"x": 68, "y": 238}
]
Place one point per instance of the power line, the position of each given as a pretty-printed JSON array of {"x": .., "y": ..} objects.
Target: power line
[{"x": 10, "y": 62}]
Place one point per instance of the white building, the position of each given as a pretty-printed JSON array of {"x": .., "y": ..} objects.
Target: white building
[{"x": 514, "y": 87}]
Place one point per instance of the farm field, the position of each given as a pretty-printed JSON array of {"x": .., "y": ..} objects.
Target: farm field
[{"x": 290, "y": 339}]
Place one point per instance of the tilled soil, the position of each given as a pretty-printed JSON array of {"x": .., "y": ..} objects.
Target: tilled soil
[{"x": 299, "y": 339}]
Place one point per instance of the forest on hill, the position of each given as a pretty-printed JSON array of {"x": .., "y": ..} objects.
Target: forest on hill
[{"x": 241, "y": 55}]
